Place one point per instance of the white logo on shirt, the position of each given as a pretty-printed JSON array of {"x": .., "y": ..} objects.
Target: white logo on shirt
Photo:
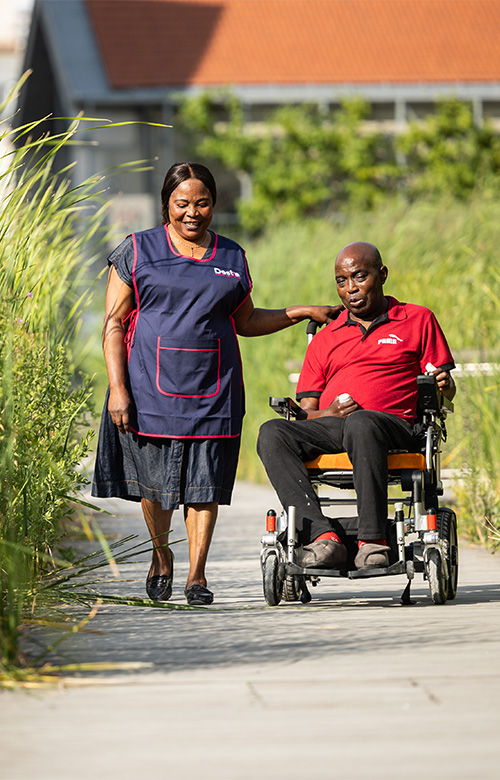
[
  {"x": 392, "y": 339},
  {"x": 221, "y": 272}
]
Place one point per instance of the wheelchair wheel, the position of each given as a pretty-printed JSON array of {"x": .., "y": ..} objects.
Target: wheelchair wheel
[
  {"x": 447, "y": 529},
  {"x": 291, "y": 588},
  {"x": 273, "y": 586},
  {"x": 438, "y": 583}
]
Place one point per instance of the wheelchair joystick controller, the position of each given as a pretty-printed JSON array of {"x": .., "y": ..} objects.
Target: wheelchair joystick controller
[{"x": 343, "y": 397}]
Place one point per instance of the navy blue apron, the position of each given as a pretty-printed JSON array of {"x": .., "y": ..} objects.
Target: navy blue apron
[{"x": 184, "y": 363}]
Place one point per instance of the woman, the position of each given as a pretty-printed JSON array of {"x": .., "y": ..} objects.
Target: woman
[{"x": 170, "y": 432}]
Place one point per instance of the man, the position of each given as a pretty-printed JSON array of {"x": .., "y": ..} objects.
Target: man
[{"x": 358, "y": 394}]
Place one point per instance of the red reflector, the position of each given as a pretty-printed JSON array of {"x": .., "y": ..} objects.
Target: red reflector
[
  {"x": 271, "y": 523},
  {"x": 431, "y": 523}
]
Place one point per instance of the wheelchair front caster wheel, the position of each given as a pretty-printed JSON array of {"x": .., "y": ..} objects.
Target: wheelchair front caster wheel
[
  {"x": 438, "y": 584},
  {"x": 273, "y": 585}
]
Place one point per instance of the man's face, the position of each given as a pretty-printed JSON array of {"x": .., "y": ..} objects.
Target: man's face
[{"x": 360, "y": 283}]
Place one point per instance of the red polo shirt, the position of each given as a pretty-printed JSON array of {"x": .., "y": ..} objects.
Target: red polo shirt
[{"x": 378, "y": 366}]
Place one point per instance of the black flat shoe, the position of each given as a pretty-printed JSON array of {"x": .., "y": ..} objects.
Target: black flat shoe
[
  {"x": 198, "y": 595},
  {"x": 159, "y": 587}
]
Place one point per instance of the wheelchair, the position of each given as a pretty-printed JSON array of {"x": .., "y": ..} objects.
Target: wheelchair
[{"x": 422, "y": 535}]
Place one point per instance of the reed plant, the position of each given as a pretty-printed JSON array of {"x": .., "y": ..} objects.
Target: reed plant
[
  {"x": 51, "y": 232},
  {"x": 41, "y": 411}
]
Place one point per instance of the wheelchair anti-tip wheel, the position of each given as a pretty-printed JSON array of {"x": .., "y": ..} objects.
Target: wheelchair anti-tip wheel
[
  {"x": 291, "y": 588},
  {"x": 295, "y": 589},
  {"x": 273, "y": 585}
]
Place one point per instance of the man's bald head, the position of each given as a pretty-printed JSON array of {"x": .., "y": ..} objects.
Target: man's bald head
[{"x": 361, "y": 249}]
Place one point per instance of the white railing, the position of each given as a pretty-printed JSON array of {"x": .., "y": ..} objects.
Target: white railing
[
  {"x": 461, "y": 369},
  {"x": 476, "y": 369}
]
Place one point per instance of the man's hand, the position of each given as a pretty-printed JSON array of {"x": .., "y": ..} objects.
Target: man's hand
[
  {"x": 344, "y": 407},
  {"x": 338, "y": 408},
  {"x": 118, "y": 407},
  {"x": 324, "y": 314},
  {"x": 445, "y": 383}
]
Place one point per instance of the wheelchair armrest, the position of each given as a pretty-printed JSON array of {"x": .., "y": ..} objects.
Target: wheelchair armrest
[
  {"x": 430, "y": 399},
  {"x": 285, "y": 407}
]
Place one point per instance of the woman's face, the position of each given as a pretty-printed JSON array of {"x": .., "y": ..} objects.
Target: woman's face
[{"x": 190, "y": 209}]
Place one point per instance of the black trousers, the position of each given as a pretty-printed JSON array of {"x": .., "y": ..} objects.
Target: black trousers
[{"x": 366, "y": 436}]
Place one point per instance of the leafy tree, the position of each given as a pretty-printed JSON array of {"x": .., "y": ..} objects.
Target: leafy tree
[
  {"x": 367, "y": 159},
  {"x": 448, "y": 152},
  {"x": 302, "y": 161},
  {"x": 227, "y": 141},
  {"x": 305, "y": 161}
]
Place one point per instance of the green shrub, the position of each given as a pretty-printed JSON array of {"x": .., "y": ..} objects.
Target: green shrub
[
  {"x": 40, "y": 446},
  {"x": 40, "y": 451},
  {"x": 302, "y": 162},
  {"x": 449, "y": 153}
]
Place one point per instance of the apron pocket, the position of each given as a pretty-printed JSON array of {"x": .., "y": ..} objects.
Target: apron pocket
[{"x": 188, "y": 370}]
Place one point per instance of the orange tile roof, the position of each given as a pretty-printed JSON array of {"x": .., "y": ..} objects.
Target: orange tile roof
[{"x": 212, "y": 42}]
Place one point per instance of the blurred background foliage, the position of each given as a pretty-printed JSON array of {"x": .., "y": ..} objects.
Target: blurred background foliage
[
  {"x": 426, "y": 196},
  {"x": 440, "y": 254},
  {"x": 304, "y": 162}
]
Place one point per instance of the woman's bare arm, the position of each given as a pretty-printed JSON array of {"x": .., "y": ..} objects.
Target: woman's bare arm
[
  {"x": 250, "y": 321},
  {"x": 119, "y": 304}
]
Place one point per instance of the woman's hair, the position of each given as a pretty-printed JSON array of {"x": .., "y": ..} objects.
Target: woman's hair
[{"x": 180, "y": 172}]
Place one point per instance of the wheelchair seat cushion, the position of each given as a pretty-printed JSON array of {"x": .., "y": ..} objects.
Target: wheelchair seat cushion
[{"x": 395, "y": 461}]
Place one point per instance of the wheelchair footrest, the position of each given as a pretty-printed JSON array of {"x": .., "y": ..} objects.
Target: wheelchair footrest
[
  {"x": 357, "y": 574},
  {"x": 395, "y": 568},
  {"x": 293, "y": 568}
]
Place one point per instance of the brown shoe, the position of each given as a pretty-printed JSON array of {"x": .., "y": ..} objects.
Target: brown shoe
[
  {"x": 323, "y": 554},
  {"x": 372, "y": 556}
]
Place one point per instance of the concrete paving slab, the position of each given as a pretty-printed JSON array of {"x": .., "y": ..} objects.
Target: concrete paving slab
[{"x": 352, "y": 683}]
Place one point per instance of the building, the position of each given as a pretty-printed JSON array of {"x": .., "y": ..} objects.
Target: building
[
  {"x": 131, "y": 60},
  {"x": 14, "y": 21}
]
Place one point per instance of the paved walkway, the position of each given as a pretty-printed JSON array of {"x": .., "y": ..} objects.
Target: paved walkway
[{"x": 351, "y": 685}]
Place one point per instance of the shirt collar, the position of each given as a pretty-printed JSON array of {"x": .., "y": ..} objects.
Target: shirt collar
[{"x": 395, "y": 311}]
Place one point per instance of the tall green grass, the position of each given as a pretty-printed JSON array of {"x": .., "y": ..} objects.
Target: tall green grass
[
  {"x": 41, "y": 267},
  {"x": 51, "y": 231},
  {"x": 443, "y": 256}
]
